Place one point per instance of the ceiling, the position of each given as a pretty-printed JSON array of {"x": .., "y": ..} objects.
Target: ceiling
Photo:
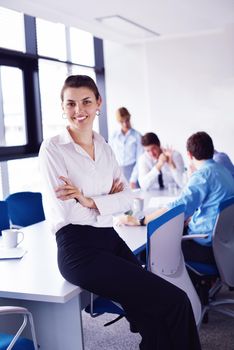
[{"x": 168, "y": 18}]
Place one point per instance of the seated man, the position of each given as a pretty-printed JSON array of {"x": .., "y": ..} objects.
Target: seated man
[
  {"x": 157, "y": 167},
  {"x": 209, "y": 185}
]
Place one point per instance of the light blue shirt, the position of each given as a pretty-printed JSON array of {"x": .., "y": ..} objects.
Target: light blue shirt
[
  {"x": 127, "y": 148},
  {"x": 222, "y": 158},
  {"x": 206, "y": 188}
]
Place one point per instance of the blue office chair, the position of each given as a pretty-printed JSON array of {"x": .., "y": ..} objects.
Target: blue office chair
[
  {"x": 25, "y": 208},
  {"x": 211, "y": 278},
  {"x": 4, "y": 216},
  {"x": 164, "y": 255},
  {"x": 9, "y": 341}
]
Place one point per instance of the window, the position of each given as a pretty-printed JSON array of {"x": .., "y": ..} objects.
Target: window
[
  {"x": 52, "y": 116},
  {"x": 82, "y": 49},
  {"x": 12, "y": 23},
  {"x": 35, "y": 58},
  {"x": 24, "y": 175},
  {"x": 51, "y": 39},
  {"x": 52, "y": 121},
  {"x": 13, "y": 113}
]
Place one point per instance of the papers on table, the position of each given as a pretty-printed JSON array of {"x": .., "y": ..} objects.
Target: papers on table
[
  {"x": 159, "y": 202},
  {"x": 11, "y": 253}
]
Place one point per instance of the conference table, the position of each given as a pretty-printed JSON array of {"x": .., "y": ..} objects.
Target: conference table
[{"x": 35, "y": 282}]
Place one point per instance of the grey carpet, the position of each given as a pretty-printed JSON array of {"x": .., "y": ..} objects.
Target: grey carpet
[{"x": 216, "y": 335}]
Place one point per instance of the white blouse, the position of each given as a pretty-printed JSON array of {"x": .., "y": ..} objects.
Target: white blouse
[{"x": 61, "y": 156}]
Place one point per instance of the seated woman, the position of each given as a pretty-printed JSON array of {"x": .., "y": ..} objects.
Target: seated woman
[{"x": 83, "y": 188}]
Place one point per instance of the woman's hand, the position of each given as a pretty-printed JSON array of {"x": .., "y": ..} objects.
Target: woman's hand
[
  {"x": 69, "y": 191},
  {"x": 117, "y": 186}
]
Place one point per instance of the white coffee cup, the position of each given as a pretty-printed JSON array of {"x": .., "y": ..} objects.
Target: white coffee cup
[
  {"x": 138, "y": 205},
  {"x": 11, "y": 238},
  {"x": 172, "y": 188}
]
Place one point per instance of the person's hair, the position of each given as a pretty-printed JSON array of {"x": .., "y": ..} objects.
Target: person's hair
[
  {"x": 150, "y": 138},
  {"x": 77, "y": 81},
  {"x": 123, "y": 113},
  {"x": 200, "y": 145}
]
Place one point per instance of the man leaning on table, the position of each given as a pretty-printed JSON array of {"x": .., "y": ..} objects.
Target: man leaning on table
[
  {"x": 209, "y": 185},
  {"x": 157, "y": 166}
]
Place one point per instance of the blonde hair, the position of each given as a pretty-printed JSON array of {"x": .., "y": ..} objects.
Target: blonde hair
[{"x": 122, "y": 113}]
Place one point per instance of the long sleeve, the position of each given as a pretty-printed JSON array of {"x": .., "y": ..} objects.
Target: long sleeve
[
  {"x": 205, "y": 190},
  {"x": 60, "y": 156},
  {"x": 148, "y": 173},
  {"x": 193, "y": 195},
  {"x": 177, "y": 173},
  {"x": 59, "y": 213},
  {"x": 108, "y": 204}
]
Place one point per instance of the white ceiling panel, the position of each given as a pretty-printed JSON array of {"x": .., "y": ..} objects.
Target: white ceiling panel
[{"x": 166, "y": 17}]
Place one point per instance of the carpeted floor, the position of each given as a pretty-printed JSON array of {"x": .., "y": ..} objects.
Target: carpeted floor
[{"x": 216, "y": 335}]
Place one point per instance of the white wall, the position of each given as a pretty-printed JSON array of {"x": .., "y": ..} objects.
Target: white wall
[
  {"x": 181, "y": 86},
  {"x": 126, "y": 84}
]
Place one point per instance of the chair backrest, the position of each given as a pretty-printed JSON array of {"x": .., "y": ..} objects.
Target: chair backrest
[
  {"x": 223, "y": 241},
  {"x": 25, "y": 208},
  {"x": 4, "y": 216},
  {"x": 164, "y": 254}
]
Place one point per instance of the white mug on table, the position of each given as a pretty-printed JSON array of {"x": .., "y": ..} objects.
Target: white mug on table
[
  {"x": 11, "y": 238},
  {"x": 138, "y": 205},
  {"x": 172, "y": 188}
]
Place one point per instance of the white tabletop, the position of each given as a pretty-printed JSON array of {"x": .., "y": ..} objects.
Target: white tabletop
[
  {"x": 136, "y": 236},
  {"x": 156, "y": 198},
  {"x": 36, "y": 276}
]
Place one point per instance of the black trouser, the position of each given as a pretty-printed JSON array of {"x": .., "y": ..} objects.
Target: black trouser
[
  {"x": 98, "y": 260},
  {"x": 196, "y": 252}
]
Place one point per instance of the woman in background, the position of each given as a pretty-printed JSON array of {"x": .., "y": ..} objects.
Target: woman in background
[
  {"x": 126, "y": 144},
  {"x": 83, "y": 188}
]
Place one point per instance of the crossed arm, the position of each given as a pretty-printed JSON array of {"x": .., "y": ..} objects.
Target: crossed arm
[{"x": 69, "y": 191}]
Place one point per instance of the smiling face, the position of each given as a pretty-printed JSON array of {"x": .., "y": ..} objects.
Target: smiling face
[{"x": 80, "y": 106}]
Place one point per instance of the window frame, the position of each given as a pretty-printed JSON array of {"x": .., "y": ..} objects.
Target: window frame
[
  {"x": 28, "y": 63},
  {"x": 29, "y": 67}
]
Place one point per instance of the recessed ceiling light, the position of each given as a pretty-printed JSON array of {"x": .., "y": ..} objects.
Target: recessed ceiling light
[{"x": 127, "y": 27}]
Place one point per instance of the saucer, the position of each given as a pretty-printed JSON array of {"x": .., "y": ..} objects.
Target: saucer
[{"x": 11, "y": 253}]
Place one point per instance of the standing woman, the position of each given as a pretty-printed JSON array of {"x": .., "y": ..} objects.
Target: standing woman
[
  {"x": 126, "y": 144},
  {"x": 83, "y": 187}
]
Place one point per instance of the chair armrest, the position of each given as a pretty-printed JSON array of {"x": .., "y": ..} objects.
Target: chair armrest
[
  {"x": 197, "y": 235},
  {"x": 7, "y": 310}
]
